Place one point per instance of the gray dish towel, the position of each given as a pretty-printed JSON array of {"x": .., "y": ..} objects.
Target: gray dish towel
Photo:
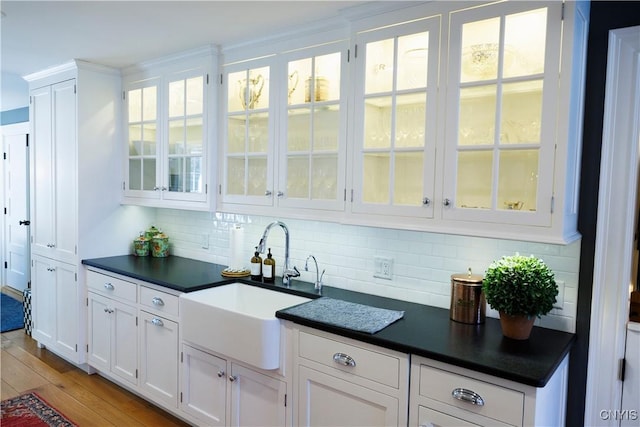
[{"x": 348, "y": 315}]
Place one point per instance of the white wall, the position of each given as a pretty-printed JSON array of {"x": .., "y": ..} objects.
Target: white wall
[
  {"x": 15, "y": 92},
  {"x": 423, "y": 262}
]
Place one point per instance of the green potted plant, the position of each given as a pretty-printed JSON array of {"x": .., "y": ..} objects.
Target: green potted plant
[{"x": 520, "y": 288}]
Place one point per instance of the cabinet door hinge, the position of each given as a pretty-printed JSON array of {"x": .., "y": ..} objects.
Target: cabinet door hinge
[
  {"x": 5, "y": 211},
  {"x": 136, "y": 323},
  {"x": 220, "y": 78},
  {"x": 6, "y": 265},
  {"x": 621, "y": 369},
  {"x": 76, "y": 249},
  {"x": 87, "y": 302},
  {"x": 207, "y": 78},
  {"x": 30, "y": 100},
  {"x": 206, "y": 189},
  {"x": 553, "y": 202},
  {"x": 123, "y": 185},
  {"x": 352, "y": 195},
  {"x": 220, "y": 189},
  {"x": 348, "y": 55},
  {"x": 76, "y": 276},
  {"x": 136, "y": 373},
  {"x": 285, "y": 400},
  {"x": 75, "y": 89},
  {"x": 181, "y": 357},
  {"x": 180, "y": 397},
  {"x": 345, "y": 195},
  {"x": 4, "y": 156},
  {"x": 562, "y": 12},
  {"x": 355, "y": 51},
  {"x": 124, "y": 96},
  {"x": 87, "y": 348},
  {"x": 27, "y": 140},
  {"x": 76, "y": 348}
]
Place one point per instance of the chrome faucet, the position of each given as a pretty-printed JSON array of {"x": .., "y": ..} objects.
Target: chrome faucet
[
  {"x": 287, "y": 272},
  {"x": 318, "y": 284}
]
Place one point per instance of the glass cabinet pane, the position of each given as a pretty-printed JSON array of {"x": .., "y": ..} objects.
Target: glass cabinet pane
[
  {"x": 477, "y": 115},
  {"x": 518, "y": 183},
  {"x": 413, "y": 61},
  {"x": 379, "y": 66},
  {"x": 521, "y": 112},
  {"x": 475, "y": 179},
  {"x": 377, "y": 122},
  {"x": 480, "y": 50},
  {"x": 375, "y": 183},
  {"x": 324, "y": 177},
  {"x": 257, "y": 176},
  {"x": 524, "y": 41},
  {"x": 407, "y": 188}
]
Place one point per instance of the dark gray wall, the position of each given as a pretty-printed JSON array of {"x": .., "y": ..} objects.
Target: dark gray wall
[{"x": 605, "y": 16}]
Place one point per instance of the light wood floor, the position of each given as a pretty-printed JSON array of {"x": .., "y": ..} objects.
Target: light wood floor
[{"x": 87, "y": 400}]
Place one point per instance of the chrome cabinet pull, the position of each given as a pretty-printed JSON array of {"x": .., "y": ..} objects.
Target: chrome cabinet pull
[
  {"x": 344, "y": 359},
  {"x": 157, "y": 301},
  {"x": 233, "y": 378},
  {"x": 426, "y": 201},
  {"x": 280, "y": 194},
  {"x": 157, "y": 322},
  {"x": 108, "y": 286},
  {"x": 220, "y": 373},
  {"x": 468, "y": 396},
  {"x": 446, "y": 202},
  {"x": 268, "y": 193},
  {"x": 51, "y": 269},
  {"x": 51, "y": 245}
]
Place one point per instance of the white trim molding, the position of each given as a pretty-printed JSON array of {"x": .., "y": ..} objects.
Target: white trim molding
[{"x": 615, "y": 228}]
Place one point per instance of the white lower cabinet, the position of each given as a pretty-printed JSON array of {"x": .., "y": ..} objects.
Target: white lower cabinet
[
  {"x": 113, "y": 337},
  {"x": 133, "y": 335},
  {"x": 219, "y": 392},
  {"x": 446, "y": 395},
  {"x": 55, "y": 313},
  {"x": 159, "y": 358},
  {"x": 348, "y": 383}
]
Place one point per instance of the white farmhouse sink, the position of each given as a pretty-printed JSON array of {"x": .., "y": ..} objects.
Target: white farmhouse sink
[{"x": 236, "y": 320}]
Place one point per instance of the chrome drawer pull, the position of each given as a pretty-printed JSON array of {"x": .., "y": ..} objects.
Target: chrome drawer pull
[
  {"x": 220, "y": 373},
  {"x": 233, "y": 378},
  {"x": 108, "y": 286},
  {"x": 157, "y": 322},
  {"x": 467, "y": 396},
  {"x": 344, "y": 359},
  {"x": 157, "y": 301}
]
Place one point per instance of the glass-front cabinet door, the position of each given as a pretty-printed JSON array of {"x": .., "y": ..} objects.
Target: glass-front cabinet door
[
  {"x": 396, "y": 119},
  {"x": 501, "y": 113},
  {"x": 311, "y": 172},
  {"x": 247, "y": 176},
  {"x": 143, "y": 129},
  {"x": 185, "y": 169}
]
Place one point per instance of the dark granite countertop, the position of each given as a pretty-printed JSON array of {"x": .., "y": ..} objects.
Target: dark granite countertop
[{"x": 424, "y": 330}]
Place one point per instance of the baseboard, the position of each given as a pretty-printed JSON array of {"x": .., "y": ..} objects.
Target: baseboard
[{"x": 14, "y": 293}]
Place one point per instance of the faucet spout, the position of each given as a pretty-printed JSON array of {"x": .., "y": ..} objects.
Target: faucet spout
[
  {"x": 318, "y": 284},
  {"x": 288, "y": 272}
]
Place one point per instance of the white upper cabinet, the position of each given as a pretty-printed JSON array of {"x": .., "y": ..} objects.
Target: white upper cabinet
[
  {"x": 451, "y": 117},
  {"x": 167, "y": 126},
  {"x": 395, "y": 121}
]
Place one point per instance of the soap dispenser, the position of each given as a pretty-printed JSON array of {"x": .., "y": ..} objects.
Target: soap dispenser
[
  {"x": 256, "y": 266},
  {"x": 269, "y": 268}
]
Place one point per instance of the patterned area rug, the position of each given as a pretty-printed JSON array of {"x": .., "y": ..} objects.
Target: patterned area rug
[{"x": 32, "y": 411}]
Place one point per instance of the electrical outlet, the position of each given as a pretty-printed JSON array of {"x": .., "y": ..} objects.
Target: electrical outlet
[
  {"x": 383, "y": 267},
  {"x": 205, "y": 241}
]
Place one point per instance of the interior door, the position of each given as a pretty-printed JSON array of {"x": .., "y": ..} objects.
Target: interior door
[{"x": 16, "y": 182}]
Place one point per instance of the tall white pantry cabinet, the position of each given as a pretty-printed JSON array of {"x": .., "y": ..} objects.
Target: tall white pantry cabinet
[{"x": 75, "y": 140}]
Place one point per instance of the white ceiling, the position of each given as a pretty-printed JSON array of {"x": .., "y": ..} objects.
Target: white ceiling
[{"x": 40, "y": 34}]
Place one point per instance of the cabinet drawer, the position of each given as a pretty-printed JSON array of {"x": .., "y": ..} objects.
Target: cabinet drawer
[
  {"x": 373, "y": 365},
  {"x": 159, "y": 301},
  {"x": 111, "y": 286},
  {"x": 500, "y": 403}
]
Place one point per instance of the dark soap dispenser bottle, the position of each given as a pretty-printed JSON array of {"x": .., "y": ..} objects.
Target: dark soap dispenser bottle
[
  {"x": 256, "y": 266},
  {"x": 269, "y": 268}
]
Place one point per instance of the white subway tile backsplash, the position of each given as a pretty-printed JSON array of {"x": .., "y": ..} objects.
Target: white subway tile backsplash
[{"x": 423, "y": 262}]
